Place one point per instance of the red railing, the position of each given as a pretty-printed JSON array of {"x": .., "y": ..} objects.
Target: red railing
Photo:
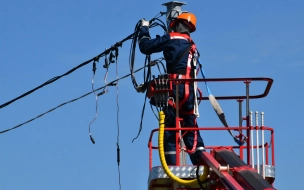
[
  {"x": 239, "y": 98},
  {"x": 234, "y": 97},
  {"x": 241, "y": 148}
]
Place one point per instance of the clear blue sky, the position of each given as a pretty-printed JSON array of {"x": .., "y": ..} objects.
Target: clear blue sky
[{"x": 43, "y": 39}]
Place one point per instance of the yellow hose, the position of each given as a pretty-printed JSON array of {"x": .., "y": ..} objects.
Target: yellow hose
[{"x": 163, "y": 160}]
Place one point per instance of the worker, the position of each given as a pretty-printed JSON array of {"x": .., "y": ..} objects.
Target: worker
[{"x": 178, "y": 50}]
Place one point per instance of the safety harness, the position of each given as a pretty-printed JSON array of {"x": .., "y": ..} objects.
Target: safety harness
[{"x": 188, "y": 73}]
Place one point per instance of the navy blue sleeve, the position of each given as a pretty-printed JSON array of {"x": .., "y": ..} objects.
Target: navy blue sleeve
[{"x": 148, "y": 46}]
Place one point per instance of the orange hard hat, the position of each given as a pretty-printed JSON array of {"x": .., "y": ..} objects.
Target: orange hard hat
[{"x": 189, "y": 17}]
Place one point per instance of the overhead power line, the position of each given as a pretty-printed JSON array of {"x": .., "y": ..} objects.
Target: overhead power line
[
  {"x": 113, "y": 83},
  {"x": 96, "y": 58}
]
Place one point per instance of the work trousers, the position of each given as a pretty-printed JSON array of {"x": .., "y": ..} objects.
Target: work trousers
[{"x": 188, "y": 120}]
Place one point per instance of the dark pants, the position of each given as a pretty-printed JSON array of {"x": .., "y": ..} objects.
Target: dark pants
[{"x": 189, "y": 120}]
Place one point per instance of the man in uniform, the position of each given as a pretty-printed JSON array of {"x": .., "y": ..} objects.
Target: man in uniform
[{"x": 179, "y": 52}]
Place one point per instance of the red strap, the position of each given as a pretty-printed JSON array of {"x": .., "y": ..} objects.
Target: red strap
[
  {"x": 175, "y": 35},
  {"x": 194, "y": 141},
  {"x": 187, "y": 89},
  {"x": 194, "y": 144}
]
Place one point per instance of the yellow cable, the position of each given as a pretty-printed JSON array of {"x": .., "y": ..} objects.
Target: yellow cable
[{"x": 163, "y": 160}]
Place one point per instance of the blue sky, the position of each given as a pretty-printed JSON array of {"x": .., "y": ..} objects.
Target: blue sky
[{"x": 43, "y": 39}]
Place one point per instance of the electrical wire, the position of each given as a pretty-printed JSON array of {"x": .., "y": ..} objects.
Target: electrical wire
[
  {"x": 133, "y": 49},
  {"x": 197, "y": 177},
  {"x": 117, "y": 116},
  {"x": 141, "y": 119},
  {"x": 132, "y": 54},
  {"x": 152, "y": 63},
  {"x": 96, "y": 58},
  {"x": 106, "y": 66},
  {"x": 46, "y": 83},
  {"x": 96, "y": 105},
  {"x": 163, "y": 66},
  {"x": 119, "y": 178},
  {"x": 147, "y": 77},
  {"x": 17, "y": 126},
  {"x": 154, "y": 112},
  {"x": 117, "y": 93},
  {"x": 113, "y": 83},
  {"x": 147, "y": 74}
]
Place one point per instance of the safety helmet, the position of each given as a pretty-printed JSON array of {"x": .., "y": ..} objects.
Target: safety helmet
[{"x": 189, "y": 17}]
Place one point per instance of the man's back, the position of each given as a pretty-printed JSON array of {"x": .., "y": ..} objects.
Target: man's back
[{"x": 171, "y": 47}]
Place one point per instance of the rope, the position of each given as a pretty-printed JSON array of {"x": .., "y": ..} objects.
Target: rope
[{"x": 218, "y": 109}]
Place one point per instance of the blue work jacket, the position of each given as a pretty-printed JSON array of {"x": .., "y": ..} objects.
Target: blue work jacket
[{"x": 171, "y": 48}]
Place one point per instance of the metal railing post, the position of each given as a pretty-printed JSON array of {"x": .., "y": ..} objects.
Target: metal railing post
[
  {"x": 257, "y": 140},
  {"x": 240, "y": 117},
  {"x": 251, "y": 142},
  {"x": 263, "y": 146},
  {"x": 177, "y": 124},
  {"x": 247, "y": 82}
]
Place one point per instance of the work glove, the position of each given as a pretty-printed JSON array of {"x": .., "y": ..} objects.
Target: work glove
[{"x": 145, "y": 22}]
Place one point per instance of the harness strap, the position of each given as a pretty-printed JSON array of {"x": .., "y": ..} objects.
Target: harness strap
[
  {"x": 187, "y": 73},
  {"x": 194, "y": 144},
  {"x": 190, "y": 73},
  {"x": 189, "y": 70}
]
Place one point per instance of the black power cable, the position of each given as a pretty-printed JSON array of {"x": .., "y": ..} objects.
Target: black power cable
[
  {"x": 133, "y": 48},
  {"x": 132, "y": 54},
  {"x": 141, "y": 119},
  {"x": 198, "y": 179},
  {"x": 113, "y": 83},
  {"x": 148, "y": 73},
  {"x": 117, "y": 116},
  {"x": 96, "y": 100},
  {"x": 96, "y": 58}
]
